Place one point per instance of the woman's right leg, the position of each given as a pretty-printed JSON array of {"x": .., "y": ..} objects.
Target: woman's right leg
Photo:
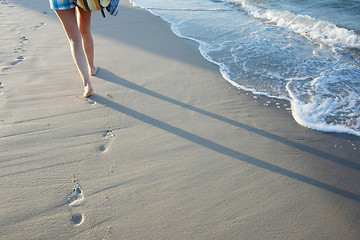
[{"x": 68, "y": 20}]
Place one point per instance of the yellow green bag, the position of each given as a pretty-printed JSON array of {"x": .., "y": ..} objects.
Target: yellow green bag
[{"x": 92, "y": 5}]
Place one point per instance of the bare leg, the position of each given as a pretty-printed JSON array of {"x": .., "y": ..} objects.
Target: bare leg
[
  {"x": 68, "y": 20},
  {"x": 85, "y": 31}
]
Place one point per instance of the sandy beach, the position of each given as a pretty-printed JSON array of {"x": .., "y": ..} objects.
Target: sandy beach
[{"x": 164, "y": 149}]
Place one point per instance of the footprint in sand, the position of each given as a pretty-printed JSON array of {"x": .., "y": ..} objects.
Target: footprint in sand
[
  {"x": 39, "y": 26},
  {"x": 76, "y": 197},
  {"x": 1, "y": 86},
  {"x": 108, "y": 96},
  {"x": 23, "y": 40},
  {"x": 77, "y": 219},
  {"x": 18, "y": 59},
  {"x": 91, "y": 102},
  {"x": 110, "y": 137},
  {"x": 74, "y": 200}
]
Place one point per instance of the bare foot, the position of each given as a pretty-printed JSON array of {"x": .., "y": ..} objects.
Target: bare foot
[
  {"x": 88, "y": 91},
  {"x": 93, "y": 71}
]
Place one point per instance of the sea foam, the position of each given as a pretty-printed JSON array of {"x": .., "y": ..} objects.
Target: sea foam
[{"x": 309, "y": 27}]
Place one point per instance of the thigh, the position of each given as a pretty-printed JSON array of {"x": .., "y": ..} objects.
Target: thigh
[
  {"x": 68, "y": 20},
  {"x": 84, "y": 20}
]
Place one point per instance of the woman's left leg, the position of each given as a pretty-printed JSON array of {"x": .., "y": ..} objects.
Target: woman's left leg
[{"x": 84, "y": 22}]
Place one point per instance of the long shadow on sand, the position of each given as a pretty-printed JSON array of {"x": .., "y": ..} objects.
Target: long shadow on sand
[{"x": 108, "y": 76}]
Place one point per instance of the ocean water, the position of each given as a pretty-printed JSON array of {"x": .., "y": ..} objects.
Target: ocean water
[{"x": 303, "y": 51}]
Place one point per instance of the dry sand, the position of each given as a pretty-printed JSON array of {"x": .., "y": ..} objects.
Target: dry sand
[{"x": 165, "y": 149}]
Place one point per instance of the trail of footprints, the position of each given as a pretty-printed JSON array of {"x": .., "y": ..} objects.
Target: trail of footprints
[
  {"x": 19, "y": 50},
  {"x": 18, "y": 34},
  {"x": 75, "y": 199}
]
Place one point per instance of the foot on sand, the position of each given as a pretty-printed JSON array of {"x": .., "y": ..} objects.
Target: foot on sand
[
  {"x": 93, "y": 71},
  {"x": 88, "y": 91}
]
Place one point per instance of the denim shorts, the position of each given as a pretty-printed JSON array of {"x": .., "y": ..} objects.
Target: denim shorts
[{"x": 62, "y": 4}]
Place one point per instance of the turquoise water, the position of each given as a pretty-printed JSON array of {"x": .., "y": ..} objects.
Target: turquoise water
[{"x": 306, "y": 52}]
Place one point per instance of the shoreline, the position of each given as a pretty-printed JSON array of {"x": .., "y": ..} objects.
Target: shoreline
[
  {"x": 318, "y": 126},
  {"x": 164, "y": 149}
]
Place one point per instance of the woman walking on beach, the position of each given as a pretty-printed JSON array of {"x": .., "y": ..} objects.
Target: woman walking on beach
[{"x": 80, "y": 38}]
